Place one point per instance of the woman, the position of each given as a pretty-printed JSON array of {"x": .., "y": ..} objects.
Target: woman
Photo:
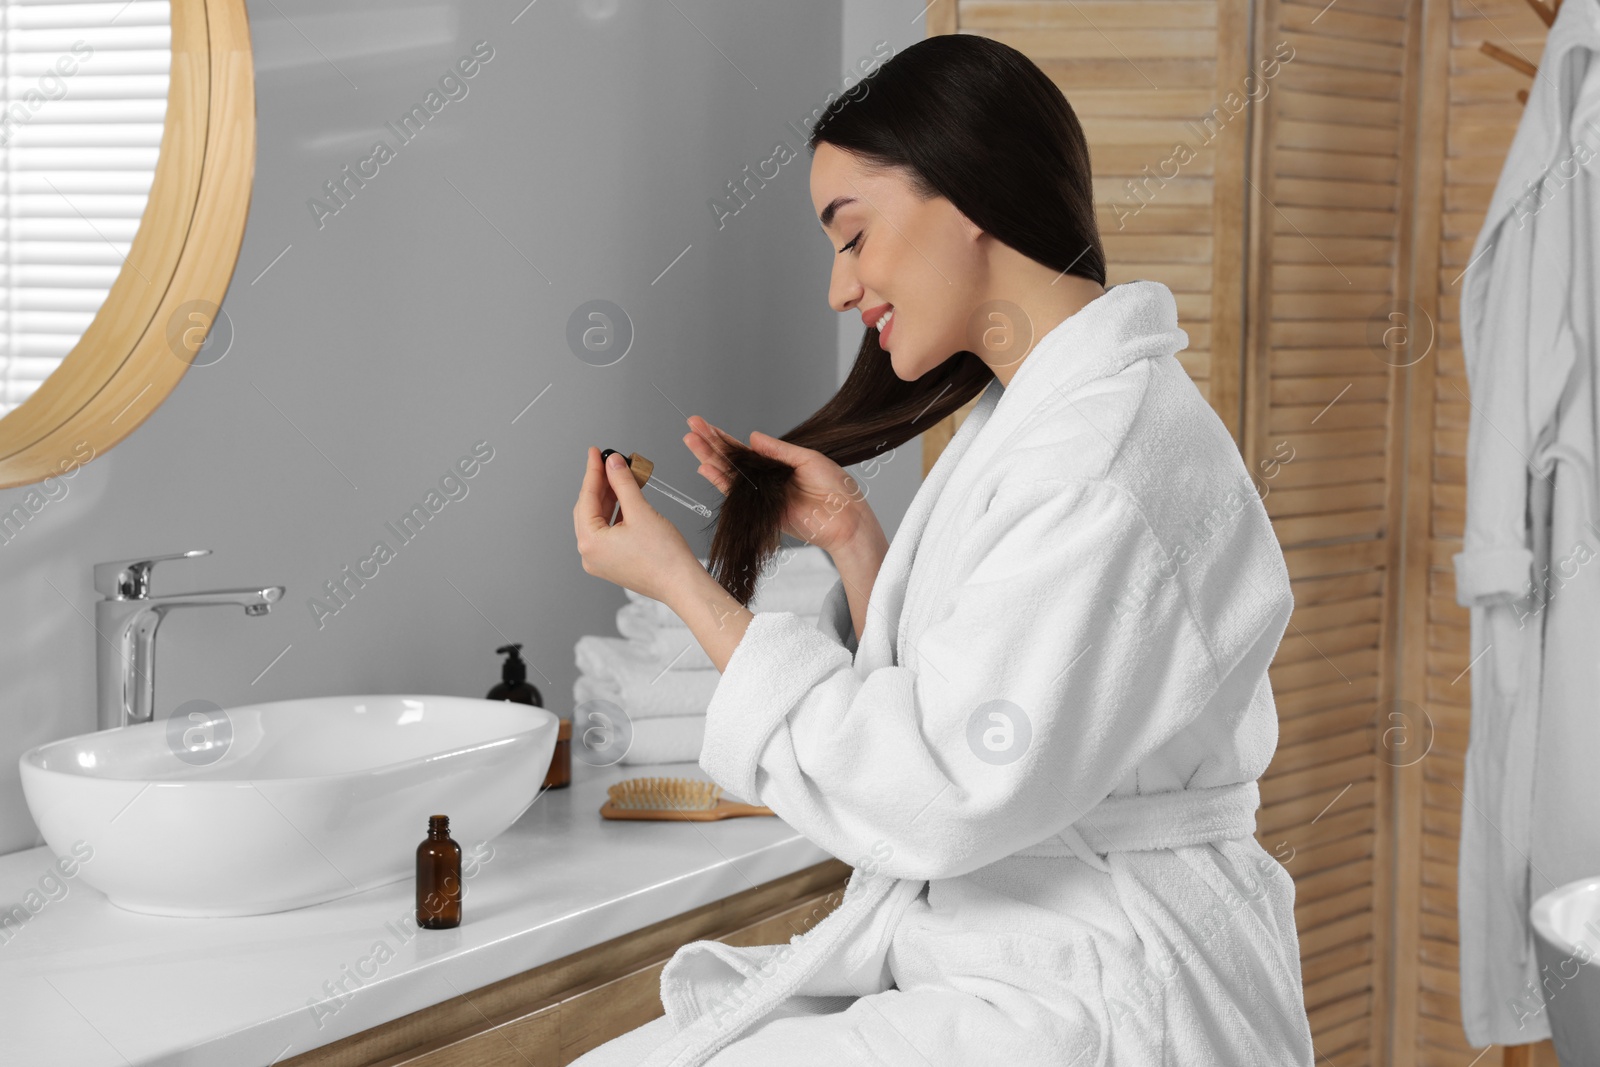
[{"x": 1041, "y": 754}]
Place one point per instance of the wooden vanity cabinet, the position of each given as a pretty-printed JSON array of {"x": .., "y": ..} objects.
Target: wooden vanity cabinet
[{"x": 554, "y": 1013}]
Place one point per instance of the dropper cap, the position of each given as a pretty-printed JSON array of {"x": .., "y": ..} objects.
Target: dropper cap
[{"x": 513, "y": 670}]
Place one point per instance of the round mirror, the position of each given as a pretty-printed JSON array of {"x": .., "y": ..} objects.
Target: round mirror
[{"x": 127, "y": 140}]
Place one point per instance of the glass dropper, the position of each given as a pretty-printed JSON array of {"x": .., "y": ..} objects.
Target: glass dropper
[
  {"x": 672, "y": 494},
  {"x": 661, "y": 487}
]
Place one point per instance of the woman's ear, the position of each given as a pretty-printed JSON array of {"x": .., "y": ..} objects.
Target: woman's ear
[{"x": 971, "y": 229}]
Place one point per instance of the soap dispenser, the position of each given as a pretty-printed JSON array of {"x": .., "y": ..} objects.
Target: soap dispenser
[{"x": 514, "y": 686}]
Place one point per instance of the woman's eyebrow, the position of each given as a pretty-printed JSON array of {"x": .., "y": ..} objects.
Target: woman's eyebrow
[{"x": 833, "y": 206}]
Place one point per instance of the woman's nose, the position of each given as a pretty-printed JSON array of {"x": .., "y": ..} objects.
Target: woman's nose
[{"x": 843, "y": 288}]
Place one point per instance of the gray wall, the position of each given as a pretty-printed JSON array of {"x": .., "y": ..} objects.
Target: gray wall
[
  {"x": 873, "y": 28},
  {"x": 424, "y": 316}
]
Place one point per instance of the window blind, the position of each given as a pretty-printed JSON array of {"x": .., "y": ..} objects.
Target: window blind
[{"x": 83, "y": 96}]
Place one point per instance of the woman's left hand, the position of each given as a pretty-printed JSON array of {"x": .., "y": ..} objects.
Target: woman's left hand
[{"x": 643, "y": 551}]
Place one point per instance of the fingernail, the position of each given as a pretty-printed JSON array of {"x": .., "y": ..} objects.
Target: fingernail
[{"x": 615, "y": 459}]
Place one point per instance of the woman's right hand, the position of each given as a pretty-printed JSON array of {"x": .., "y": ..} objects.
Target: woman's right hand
[{"x": 826, "y": 506}]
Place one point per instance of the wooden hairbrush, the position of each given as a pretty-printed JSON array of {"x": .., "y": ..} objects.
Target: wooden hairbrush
[{"x": 673, "y": 798}]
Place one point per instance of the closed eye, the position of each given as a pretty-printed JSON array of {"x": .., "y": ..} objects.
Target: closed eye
[{"x": 851, "y": 245}]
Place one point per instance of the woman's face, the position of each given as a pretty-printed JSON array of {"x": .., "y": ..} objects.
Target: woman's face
[{"x": 922, "y": 258}]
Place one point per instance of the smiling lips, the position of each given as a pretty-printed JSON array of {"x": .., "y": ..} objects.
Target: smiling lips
[{"x": 882, "y": 317}]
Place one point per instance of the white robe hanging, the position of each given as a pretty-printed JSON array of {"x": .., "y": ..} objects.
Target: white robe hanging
[
  {"x": 1042, "y": 759},
  {"x": 1528, "y": 567}
]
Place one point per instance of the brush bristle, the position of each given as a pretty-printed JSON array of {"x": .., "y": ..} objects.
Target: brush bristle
[{"x": 664, "y": 794}]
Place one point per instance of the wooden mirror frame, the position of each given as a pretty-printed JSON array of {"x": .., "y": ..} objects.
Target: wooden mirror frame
[{"x": 184, "y": 251}]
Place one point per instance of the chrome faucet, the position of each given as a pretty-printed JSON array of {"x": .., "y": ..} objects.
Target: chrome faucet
[{"x": 127, "y": 619}]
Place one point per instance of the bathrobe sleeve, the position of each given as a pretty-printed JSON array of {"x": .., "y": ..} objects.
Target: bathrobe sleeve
[
  {"x": 1064, "y": 652},
  {"x": 1495, "y": 561}
]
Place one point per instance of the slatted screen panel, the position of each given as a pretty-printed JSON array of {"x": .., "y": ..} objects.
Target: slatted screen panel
[
  {"x": 1143, "y": 76},
  {"x": 1325, "y": 249},
  {"x": 1474, "y": 102}
]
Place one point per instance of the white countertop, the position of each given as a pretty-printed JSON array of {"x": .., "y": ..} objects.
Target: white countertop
[{"x": 85, "y": 983}]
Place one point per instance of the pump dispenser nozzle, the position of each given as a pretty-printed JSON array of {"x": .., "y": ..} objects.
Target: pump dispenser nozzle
[
  {"x": 513, "y": 670},
  {"x": 514, "y": 679}
]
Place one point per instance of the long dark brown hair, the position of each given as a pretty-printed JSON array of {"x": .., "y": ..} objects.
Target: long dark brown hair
[{"x": 974, "y": 121}]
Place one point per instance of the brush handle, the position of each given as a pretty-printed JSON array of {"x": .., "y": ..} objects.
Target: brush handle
[{"x": 725, "y": 809}]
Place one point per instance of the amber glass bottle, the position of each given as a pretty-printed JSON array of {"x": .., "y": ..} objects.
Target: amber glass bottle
[
  {"x": 438, "y": 877},
  {"x": 559, "y": 774}
]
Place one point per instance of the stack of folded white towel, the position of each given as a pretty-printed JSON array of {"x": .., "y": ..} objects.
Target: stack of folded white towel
[{"x": 658, "y": 674}]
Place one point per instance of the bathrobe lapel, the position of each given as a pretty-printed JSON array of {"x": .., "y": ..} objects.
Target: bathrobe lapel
[
  {"x": 883, "y": 634},
  {"x": 1061, "y": 362}
]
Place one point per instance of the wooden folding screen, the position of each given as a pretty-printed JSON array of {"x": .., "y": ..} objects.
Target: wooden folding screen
[{"x": 1326, "y": 245}]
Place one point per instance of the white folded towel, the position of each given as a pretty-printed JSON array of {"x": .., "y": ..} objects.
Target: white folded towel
[
  {"x": 657, "y": 669},
  {"x": 795, "y": 579},
  {"x": 673, "y": 646},
  {"x": 800, "y": 596},
  {"x": 669, "y": 739},
  {"x": 611, "y": 668}
]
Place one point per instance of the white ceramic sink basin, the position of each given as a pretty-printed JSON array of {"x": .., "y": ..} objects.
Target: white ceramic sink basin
[
  {"x": 267, "y": 807},
  {"x": 1566, "y": 928}
]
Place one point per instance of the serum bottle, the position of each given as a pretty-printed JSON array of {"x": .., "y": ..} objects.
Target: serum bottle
[{"x": 438, "y": 877}]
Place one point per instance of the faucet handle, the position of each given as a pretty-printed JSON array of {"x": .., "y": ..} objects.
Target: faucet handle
[{"x": 129, "y": 579}]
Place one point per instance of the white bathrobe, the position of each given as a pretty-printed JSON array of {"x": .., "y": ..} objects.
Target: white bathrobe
[
  {"x": 1528, "y": 567},
  {"x": 1042, "y": 759}
]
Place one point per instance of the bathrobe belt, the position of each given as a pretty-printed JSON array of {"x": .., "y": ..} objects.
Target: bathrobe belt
[{"x": 1143, "y": 821}]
